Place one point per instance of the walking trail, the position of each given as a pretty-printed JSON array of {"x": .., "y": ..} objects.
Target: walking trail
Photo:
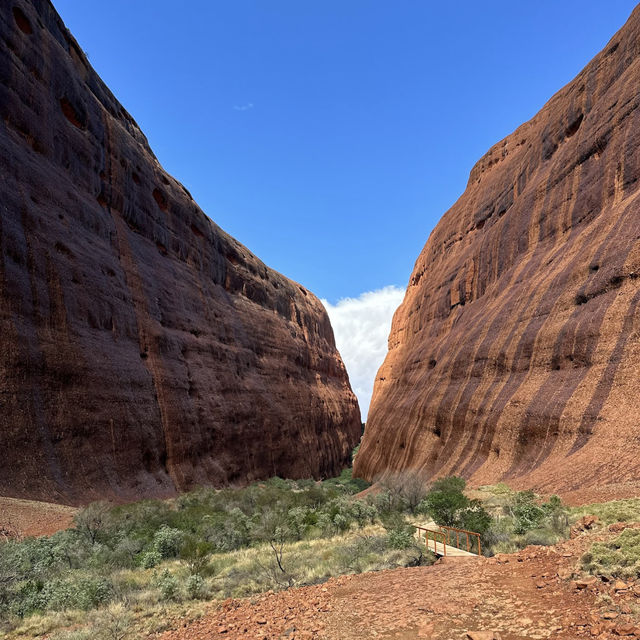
[{"x": 534, "y": 594}]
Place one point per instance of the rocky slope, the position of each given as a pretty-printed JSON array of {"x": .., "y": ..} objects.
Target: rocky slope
[
  {"x": 143, "y": 350},
  {"x": 515, "y": 353}
]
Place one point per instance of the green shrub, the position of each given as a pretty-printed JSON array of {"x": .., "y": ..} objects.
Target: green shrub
[
  {"x": 196, "y": 554},
  {"x": 448, "y": 506},
  {"x": 614, "y": 511},
  {"x": 475, "y": 518},
  {"x": 126, "y": 552},
  {"x": 234, "y": 532},
  {"x": 346, "y": 483},
  {"x": 445, "y": 501},
  {"x": 196, "y": 587},
  {"x": 93, "y": 592},
  {"x": 168, "y": 541},
  {"x": 399, "y": 538},
  {"x": 617, "y": 558},
  {"x": 526, "y": 513},
  {"x": 340, "y": 522},
  {"x": 84, "y": 593},
  {"x": 168, "y": 585},
  {"x": 151, "y": 559},
  {"x": 387, "y": 502}
]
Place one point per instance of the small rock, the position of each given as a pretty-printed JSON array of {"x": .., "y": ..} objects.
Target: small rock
[
  {"x": 609, "y": 615},
  {"x": 617, "y": 527},
  {"x": 584, "y": 524},
  {"x": 619, "y": 585},
  {"x": 584, "y": 583},
  {"x": 626, "y": 629}
]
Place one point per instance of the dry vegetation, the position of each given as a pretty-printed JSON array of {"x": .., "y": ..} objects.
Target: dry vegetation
[{"x": 127, "y": 571}]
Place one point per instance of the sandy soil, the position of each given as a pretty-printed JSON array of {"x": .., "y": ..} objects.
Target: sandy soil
[{"x": 31, "y": 518}]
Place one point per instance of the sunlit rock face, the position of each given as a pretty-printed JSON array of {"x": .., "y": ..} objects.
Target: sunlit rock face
[
  {"x": 516, "y": 351},
  {"x": 143, "y": 350}
]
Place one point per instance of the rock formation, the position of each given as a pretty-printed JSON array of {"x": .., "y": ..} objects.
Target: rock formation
[
  {"x": 143, "y": 351},
  {"x": 516, "y": 351}
]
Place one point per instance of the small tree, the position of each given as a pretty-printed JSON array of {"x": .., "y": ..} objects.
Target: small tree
[
  {"x": 412, "y": 489},
  {"x": 527, "y": 514},
  {"x": 445, "y": 501},
  {"x": 196, "y": 554},
  {"x": 273, "y": 528},
  {"x": 557, "y": 514},
  {"x": 92, "y": 521}
]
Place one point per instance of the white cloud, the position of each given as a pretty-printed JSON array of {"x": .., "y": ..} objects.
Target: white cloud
[
  {"x": 361, "y": 326},
  {"x": 243, "y": 107}
]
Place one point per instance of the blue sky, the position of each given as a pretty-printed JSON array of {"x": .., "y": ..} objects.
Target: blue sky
[{"x": 329, "y": 136}]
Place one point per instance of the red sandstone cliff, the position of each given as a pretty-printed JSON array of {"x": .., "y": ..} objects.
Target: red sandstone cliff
[
  {"x": 143, "y": 350},
  {"x": 516, "y": 351}
]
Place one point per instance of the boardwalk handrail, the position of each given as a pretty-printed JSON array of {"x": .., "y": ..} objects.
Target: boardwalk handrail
[
  {"x": 436, "y": 535},
  {"x": 451, "y": 530}
]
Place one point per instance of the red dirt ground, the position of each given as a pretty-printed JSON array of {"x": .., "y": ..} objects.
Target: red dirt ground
[
  {"x": 31, "y": 518},
  {"x": 531, "y": 594}
]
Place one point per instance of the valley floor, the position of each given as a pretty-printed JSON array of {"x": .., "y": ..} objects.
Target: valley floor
[{"x": 536, "y": 593}]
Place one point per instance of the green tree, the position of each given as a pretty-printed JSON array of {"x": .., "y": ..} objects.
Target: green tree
[
  {"x": 527, "y": 514},
  {"x": 445, "y": 500}
]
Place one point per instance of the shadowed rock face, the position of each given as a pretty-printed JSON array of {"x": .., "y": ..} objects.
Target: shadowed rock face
[
  {"x": 516, "y": 351},
  {"x": 144, "y": 351}
]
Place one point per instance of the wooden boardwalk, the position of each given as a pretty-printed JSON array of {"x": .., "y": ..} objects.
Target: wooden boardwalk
[
  {"x": 452, "y": 552},
  {"x": 435, "y": 539}
]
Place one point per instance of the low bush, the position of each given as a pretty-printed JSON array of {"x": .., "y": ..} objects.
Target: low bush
[
  {"x": 196, "y": 587},
  {"x": 617, "y": 558},
  {"x": 167, "y": 541},
  {"x": 151, "y": 559},
  {"x": 168, "y": 585},
  {"x": 613, "y": 511},
  {"x": 523, "y": 519},
  {"x": 400, "y": 538}
]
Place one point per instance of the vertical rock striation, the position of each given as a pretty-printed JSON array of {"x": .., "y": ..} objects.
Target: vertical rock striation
[
  {"x": 143, "y": 350},
  {"x": 516, "y": 351}
]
